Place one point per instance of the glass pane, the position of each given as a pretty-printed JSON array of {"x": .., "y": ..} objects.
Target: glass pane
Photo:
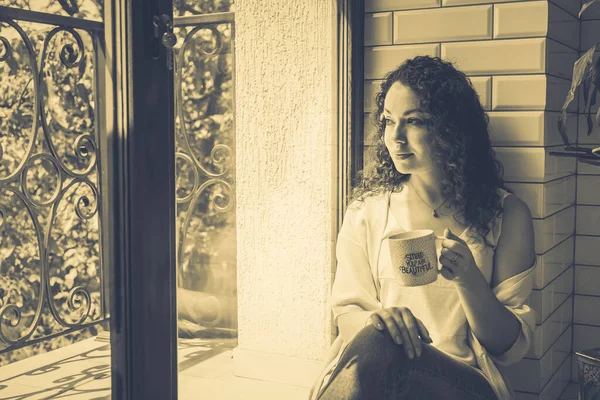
[
  {"x": 205, "y": 168},
  {"x": 53, "y": 307},
  {"x": 85, "y": 9}
]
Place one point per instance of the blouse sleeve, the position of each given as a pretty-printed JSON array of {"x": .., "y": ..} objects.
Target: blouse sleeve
[
  {"x": 353, "y": 289},
  {"x": 513, "y": 294}
]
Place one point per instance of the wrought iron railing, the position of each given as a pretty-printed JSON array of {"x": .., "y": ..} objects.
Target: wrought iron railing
[
  {"x": 205, "y": 153},
  {"x": 50, "y": 247},
  {"x": 50, "y": 163}
]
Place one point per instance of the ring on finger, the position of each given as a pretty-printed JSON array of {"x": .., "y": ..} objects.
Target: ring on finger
[{"x": 453, "y": 261}]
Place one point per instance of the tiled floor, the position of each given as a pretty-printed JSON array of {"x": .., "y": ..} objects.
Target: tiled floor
[{"x": 82, "y": 371}]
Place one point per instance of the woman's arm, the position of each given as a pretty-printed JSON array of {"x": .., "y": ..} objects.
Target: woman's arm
[
  {"x": 353, "y": 294},
  {"x": 497, "y": 328}
]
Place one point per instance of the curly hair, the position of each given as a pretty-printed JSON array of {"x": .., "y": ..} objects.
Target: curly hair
[{"x": 461, "y": 145}]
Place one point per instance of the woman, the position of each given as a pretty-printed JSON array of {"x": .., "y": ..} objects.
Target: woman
[{"x": 435, "y": 170}]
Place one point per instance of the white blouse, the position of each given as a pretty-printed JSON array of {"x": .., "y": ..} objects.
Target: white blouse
[{"x": 365, "y": 282}]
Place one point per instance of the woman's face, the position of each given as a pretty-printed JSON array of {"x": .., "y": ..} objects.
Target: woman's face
[{"x": 407, "y": 137}]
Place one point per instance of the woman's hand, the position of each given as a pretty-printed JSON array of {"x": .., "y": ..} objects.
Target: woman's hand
[
  {"x": 403, "y": 327},
  {"x": 458, "y": 264}
]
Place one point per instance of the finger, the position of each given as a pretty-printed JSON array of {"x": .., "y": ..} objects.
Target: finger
[
  {"x": 403, "y": 331},
  {"x": 447, "y": 252},
  {"x": 446, "y": 273},
  {"x": 423, "y": 331},
  {"x": 455, "y": 247},
  {"x": 450, "y": 235},
  {"x": 413, "y": 330},
  {"x": 376, "y": 321},
  {"x": 389, "y": 321},
  {"x": 446, "y": 262}
]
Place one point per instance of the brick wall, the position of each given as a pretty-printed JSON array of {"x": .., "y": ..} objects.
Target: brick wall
[
  {"x": 586, "y": 317},
  {"x": 519, "y": 56}
]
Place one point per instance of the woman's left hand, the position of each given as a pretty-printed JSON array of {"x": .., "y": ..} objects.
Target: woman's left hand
[{"x": 458, "y": 264}]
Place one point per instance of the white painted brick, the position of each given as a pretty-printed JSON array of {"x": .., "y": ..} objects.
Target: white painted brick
[
  {"x": 588, "y": 220},
  {"x": 587, "y": 310},
  {"x": 381, "y": 60},
  {"x": 532, "y": 375},
  {"x": 572, "y": 6},
  {"x": 394, "y": 5},
  {"x": 447, "y": 3},
  {"x": 518, "y": 128},
  {"x": 560, "y": 58},
  {"x": 554, "y": 229},
  {"x": 371, "y": 90},
  {"x": 370, "y": 128},
  {"x": 585, "y": 337},
  {"x": 586, "y": 250},
  {"x": 522, "y": 164},
  {"x": 556, "y": 93},
  {"x": 530, "y": 92},
  {"x": 558, "y": 382},
  {"x": 586, "y": 280},
  {"x": 481, "y": 84},
  {"x": 563, "y": 27},
  {"x": 519, "y": 92},
  {"x": 545, "y": 301},
  {"x": 588, "y": 190},
  {"x": 511, "y": 56},
  {"x": 535, "y": 19},
  {"x": 528, "y": 128},
  {"x": 483, "y": 87},
  {"x": 521, "y": 20},
  {"x": 550, "y": 330},
  {"x": 590, "y": 33},
  {"x": 443, "y": 24},
  {"x": 378, "y": 29},
  {"x": 547, "y": 198},
  {"x": 369, "y": 159},
  {"x": 553, "y": 263}
]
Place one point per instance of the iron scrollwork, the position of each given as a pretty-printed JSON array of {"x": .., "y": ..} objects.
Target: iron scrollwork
[
  {"x": 70, "y": 181},
  {"x": 207, "y": 161}
]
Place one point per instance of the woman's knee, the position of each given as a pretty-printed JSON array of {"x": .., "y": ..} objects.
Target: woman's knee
[{"x": 372, "y": 348}]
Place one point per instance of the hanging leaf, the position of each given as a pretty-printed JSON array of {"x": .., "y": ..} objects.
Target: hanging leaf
[
  {"x": 581, "y": 71},
  {"x": 586, "y": 5},
  {"x": 589, "y": 97},
  {"x": 588, "y": 114}
]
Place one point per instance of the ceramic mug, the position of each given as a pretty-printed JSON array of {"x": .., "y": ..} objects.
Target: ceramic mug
[{"x": 414, "y": 256}]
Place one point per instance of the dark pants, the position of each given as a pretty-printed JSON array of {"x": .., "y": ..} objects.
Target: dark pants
[{"x": 374, "y": 367}]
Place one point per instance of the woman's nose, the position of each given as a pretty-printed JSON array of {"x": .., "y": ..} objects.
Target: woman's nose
[{"x": 400, "y": 135}]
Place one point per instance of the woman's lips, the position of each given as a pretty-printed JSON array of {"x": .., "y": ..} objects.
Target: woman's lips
[{"x": 402, "y": 156}]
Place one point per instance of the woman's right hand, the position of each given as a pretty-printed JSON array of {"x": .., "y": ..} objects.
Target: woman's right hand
[{"x": 404, "y": 328}]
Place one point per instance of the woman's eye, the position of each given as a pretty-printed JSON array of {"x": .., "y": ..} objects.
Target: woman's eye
[
  {"x": 414, "y": 121},
  {"x": 388, "y": 121}
]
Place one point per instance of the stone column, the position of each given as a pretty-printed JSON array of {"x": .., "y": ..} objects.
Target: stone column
[{"x": 285, "y": 92}]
